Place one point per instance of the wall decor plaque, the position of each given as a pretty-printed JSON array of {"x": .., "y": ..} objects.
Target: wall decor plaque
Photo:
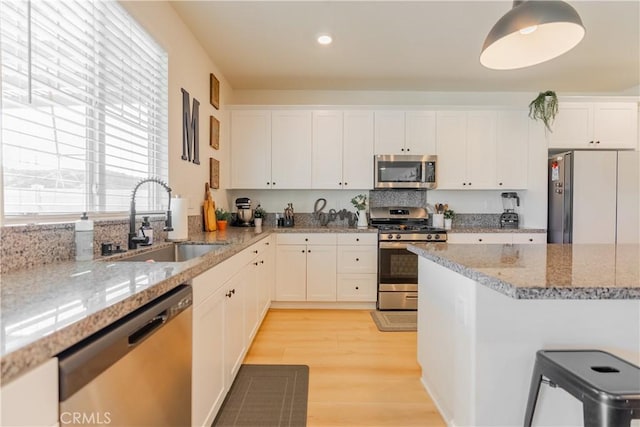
[
  {"x": 214, "y": 173},
  {"x": 214, "y": 132},
  {"x": 215, "y": 91}
]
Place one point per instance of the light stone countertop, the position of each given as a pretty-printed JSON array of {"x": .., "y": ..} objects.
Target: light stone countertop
[
  {"x": 544, "y": 271},
  {"x": 47, "y": 309}
]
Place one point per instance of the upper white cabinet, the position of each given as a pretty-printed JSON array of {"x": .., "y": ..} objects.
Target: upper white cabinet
[
  {"x": 342, "y": 150},
  {"x": 604, "y": 125},
  {"x": 291, "y": 132},
  {"x": 482, "y": 149},
  {"x": 400, "y": 132},
  {"x": 251, "y": 149}
]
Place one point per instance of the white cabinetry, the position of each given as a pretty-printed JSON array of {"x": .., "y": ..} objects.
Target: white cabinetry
[
  {"x": 234, "y": 335},
  {"x": 499, "y": 238},
  {"x": 290, "y": 149},
  {"x": 482, "y": 150},
  {"x": 32, "y": 399},
  {"x": 342, "y": 150},
  {"x": 357, "y": 267},
  {"x": 251, "y": 149},
  {"x": 306, "y": 267},
  {"x": 399, "y": 132},
  {"x": 603, "y": 125}
]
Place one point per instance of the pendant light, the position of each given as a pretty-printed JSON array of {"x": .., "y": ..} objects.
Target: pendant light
[{"x": 531, "y": 32}]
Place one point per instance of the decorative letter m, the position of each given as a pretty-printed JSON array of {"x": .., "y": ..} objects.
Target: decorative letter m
[{"x": 190, "y": 144}]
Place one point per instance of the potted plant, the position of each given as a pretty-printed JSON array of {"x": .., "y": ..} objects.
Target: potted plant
[
  {"x": 360, "y": 203},
  {"x": 544, "y": 107},
  {"x": 222, "y": 217},
  {"x": 448, "y": 218},
  {"x": 258, "y": 214}
]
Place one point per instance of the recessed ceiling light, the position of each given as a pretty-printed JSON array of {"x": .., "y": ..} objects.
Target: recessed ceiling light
[{"x": 325, "y": 39}]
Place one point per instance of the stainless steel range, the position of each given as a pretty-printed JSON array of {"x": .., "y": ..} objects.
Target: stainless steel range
[{"x": 397, "y": 267}]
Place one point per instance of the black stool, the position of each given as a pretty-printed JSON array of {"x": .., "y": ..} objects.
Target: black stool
[{"x": 608, "y": 386}]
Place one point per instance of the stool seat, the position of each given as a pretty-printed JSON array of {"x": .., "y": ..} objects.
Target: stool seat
[{"x": 608, "y": 386}]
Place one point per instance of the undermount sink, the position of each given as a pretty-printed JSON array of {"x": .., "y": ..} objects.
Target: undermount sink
[{"x": 173, "y": 253}]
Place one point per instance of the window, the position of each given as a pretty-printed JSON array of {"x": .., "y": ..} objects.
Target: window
[{"x": 84, "y": 109}]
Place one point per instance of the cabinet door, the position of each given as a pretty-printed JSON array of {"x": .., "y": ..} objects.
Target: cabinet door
[
  {"x": 451, "y": 149},
  {"x": 251, "y": 149},
  {"x": 420, "y": 132},
  {"x": 208, "y": 378},
  {"x": 481, "y": 150},
  {"x": 266, "y": 278},
  {"x": 234, "y": 333},
  {"x": 628, "y": 211},
  {"x": 615, "y": 125},
  {"x": 327, "y": 150},
  {"x": 250, "y": 291},
  {"x": 572, "y": 127},
  {"x": 389, "y": 132},
  {"x": 321, "y": 273},
  {"x": 291, "y": 273},
  {"x": 357, "y": 287},
  {"x": 512, "y": 150},
  {"x": 357, "y": 150},
  {"x": 290, "y": 149},
  {"x": 32, "y": 399}
]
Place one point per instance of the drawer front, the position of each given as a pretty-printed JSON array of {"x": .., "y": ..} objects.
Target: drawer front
[
  {"x": 480, "y": 238},
  {"x": 357, "y": 259},
  {"x": 306, "y": 239},
  {"x": 525, "y": 238},
  {"x": 358, "y": 239},
  {"x": 357, "y": 287}
]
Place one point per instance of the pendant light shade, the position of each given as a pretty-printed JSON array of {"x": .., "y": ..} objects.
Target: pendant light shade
[{"x": 532, "y": 32}]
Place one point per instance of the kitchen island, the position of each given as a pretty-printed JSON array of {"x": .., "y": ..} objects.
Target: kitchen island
[{"x": 484, "y": 311}]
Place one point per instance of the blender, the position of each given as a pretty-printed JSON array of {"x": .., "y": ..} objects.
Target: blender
[
  {"x": 509, "y": 218},
  {"x": 244, "y": 213}
]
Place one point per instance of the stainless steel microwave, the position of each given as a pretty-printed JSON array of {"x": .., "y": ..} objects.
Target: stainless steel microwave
[{"x": 404, "y": 171}]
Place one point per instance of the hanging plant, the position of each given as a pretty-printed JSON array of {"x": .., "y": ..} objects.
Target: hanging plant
[{"x": 545, "y": 108}]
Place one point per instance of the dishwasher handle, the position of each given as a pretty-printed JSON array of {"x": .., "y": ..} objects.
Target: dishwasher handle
[
  {"x": 153, "y": 324},
  {"x": 83, "y": 362}
]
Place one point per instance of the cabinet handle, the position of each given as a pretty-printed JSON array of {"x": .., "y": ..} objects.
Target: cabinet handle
[
  {"x": 499, "y": 183},
  {"x": 590, "y": 142},
  {"x": 268, "y": 183},
  {"x": 303, "y": 251},
  {"x": 255, "y": 263},
  {"x": 464, "y": 183},
  {"x": 357, "y": 288},
  {"x": 531, "y": 240},
  {"x": 233, "y": 291},
  {"x": 306, "y": 240},
  {"x": 339, "y": 184},
  {"x": 597, "y": 142},
  {"x": 267, "y": 243},
  {"x": 309, "y": 251},
  {"x": 469, "y": 184},
  {"x": 262, "y": 262},
  {"x": 228, "y": 295},
  {"x": 402, "y": 149},
  {"x": 357, "y": 259},
  {"x": 255, "y": 252},
  {"x": 357, "y": 240},
  {"x": 479, "y": 240},
  {"x": 346, "y": 183},
  {"x": 408, "y": 149}
]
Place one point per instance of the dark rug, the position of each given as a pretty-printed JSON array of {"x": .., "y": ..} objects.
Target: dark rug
[
  {"x": 266, "y": 395},
  {"x": 395, "y": 321}
]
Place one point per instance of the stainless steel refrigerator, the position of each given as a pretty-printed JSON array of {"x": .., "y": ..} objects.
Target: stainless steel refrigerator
[{"x": 593, "y": 197}]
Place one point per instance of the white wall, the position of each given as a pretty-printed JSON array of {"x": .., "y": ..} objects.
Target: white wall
[{"x": 189, "y": 68}]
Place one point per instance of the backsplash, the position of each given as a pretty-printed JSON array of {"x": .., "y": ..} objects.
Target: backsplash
[{"x": 25, "y": 246}]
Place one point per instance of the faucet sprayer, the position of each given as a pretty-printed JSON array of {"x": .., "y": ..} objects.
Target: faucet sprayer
[{"x": 134, "y": 240}]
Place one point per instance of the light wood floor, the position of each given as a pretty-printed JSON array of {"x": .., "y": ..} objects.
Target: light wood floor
[{"x": 358, "y": 375}]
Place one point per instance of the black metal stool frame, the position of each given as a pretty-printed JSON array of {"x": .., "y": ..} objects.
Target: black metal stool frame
[{"x": 600, "y": 408}]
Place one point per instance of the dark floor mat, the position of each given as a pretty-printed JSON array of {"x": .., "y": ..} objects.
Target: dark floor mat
[{"x": 267, "y": 395}]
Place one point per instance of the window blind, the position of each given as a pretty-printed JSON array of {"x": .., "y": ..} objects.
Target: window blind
[{"x": 84, "y": 109}]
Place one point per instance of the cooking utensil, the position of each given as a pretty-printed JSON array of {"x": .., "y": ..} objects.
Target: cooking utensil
[{"x": 209, "y": 209}]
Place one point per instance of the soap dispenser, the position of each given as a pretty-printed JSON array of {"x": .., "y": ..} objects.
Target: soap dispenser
[
  {"x": 84, "y": 238},
  {"x": 146, "y": 231}
]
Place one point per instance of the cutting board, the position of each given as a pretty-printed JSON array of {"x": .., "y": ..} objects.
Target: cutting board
[{"x": 209, "y": 209}]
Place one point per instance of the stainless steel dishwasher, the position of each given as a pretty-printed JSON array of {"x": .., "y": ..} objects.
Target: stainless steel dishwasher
[{"x": 135, "y": 372}]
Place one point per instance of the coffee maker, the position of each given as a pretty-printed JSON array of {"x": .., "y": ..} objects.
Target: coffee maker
[
  {"x": 509, "y": 218},
  {"x": 244, "y": 213}
]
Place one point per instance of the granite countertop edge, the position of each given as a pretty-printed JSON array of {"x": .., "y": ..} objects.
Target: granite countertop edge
[
  {"x": 528, "y": 293},
  {"x": 18, "y": 361}
]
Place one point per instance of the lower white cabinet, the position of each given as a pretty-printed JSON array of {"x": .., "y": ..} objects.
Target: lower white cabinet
[
  {"x": 306, "y": 267},
  {"x": 499, "y": 238},
  {"x": 32, "y": 399},
  {"x": 357, "y": 267},
  {"x": 357, "y": 287},
  {"x": 229, "y": 303}
]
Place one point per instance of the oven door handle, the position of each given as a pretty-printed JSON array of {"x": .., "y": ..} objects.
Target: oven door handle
[{"x": 393, "y": 245}]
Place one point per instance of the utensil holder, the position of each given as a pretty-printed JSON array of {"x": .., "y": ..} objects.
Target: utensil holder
[{"x": 438, "y": 220}]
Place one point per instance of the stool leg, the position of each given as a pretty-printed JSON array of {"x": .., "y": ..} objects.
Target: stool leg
[
  {"x": 534, "y": 389},
  {"x": 601, "y": 415}
]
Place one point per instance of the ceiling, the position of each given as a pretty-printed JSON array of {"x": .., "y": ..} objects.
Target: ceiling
[{"x": 404, "y": 46}]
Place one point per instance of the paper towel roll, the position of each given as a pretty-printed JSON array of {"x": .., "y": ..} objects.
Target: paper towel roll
[{"x": 179, "y": 207}]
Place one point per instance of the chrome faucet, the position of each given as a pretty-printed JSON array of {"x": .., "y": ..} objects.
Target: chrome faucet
[{"x": 134, "y": 240}]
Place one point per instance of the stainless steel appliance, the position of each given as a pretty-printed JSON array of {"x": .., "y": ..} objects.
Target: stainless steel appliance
[
  {"x": 134, "y": 372},
  {"x": 397, "y": 267},
  {"x": 509, "y": 218},
  {"x": 404, "y": 171},
  {"x": 244, "y": 214}
]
